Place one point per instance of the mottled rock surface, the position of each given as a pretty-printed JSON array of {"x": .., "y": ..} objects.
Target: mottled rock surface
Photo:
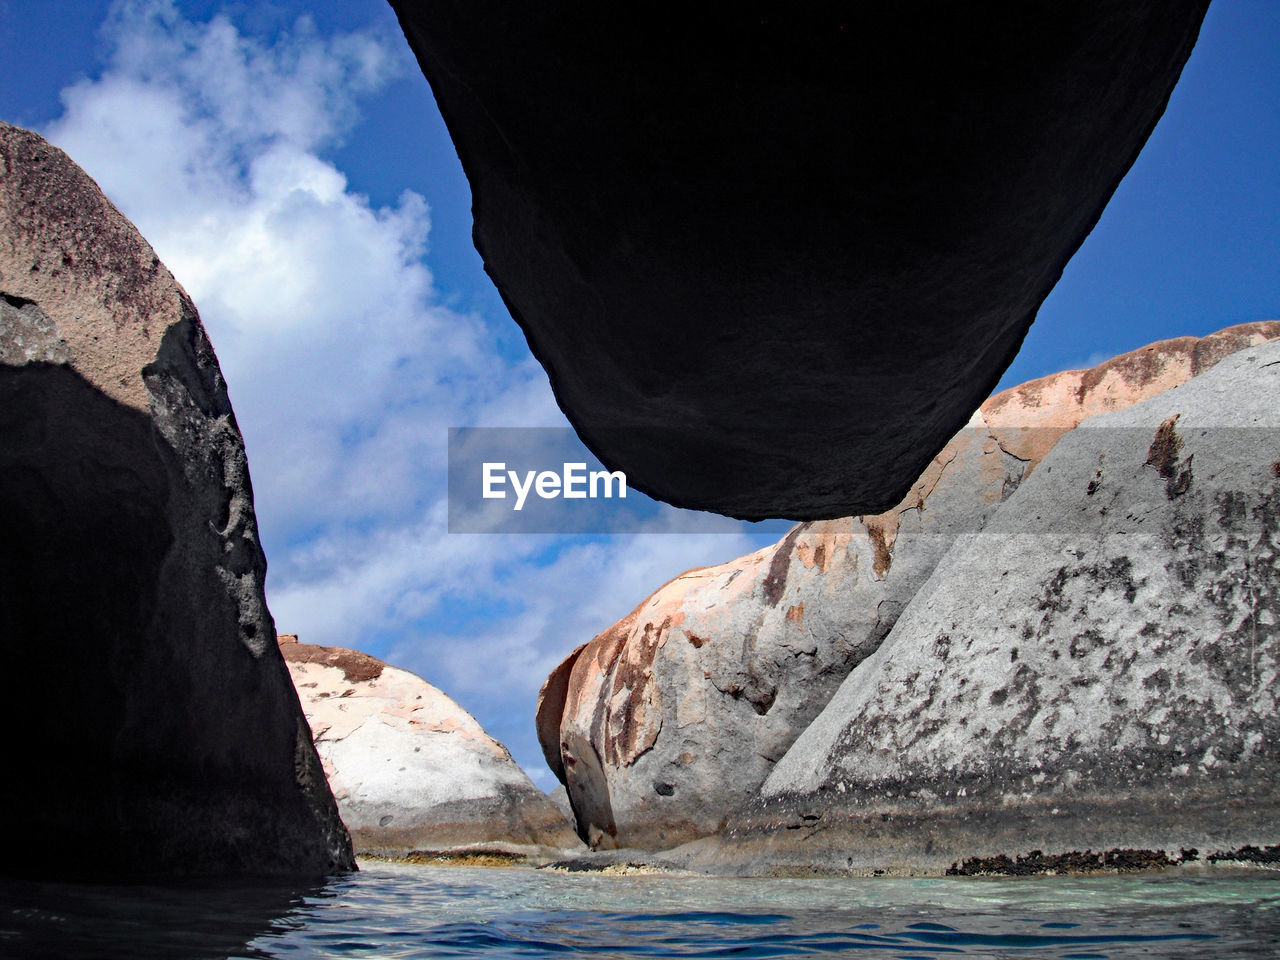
[
  {"x": 664, "y": 724},
  {"x": 772, "y": 257},
  {"x": 131, "y": 576},
  {"x": 1095, "y": 669},
  {"x": 411, "y": 770}
]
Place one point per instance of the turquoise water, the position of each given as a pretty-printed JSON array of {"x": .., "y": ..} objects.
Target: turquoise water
[{"x": 393, "y": 911}]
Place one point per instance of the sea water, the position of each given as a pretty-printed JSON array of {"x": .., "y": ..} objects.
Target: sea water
[{"x": 402, "y": 911}]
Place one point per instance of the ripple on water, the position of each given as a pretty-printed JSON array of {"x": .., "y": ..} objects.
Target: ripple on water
[{"x": 390, "y": 911}]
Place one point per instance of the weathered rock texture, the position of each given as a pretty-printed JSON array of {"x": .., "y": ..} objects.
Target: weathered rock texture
[
  {"x": 1096, "y": 669},
  {"x": 772, "y": 258},
  {"x": 130, "y": 570},
  {"x": 664, "y": 724},
  {"x": 411, "y": 770}
]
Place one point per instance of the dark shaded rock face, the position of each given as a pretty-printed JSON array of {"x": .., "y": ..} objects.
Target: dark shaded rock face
[
  {"x": 153, "y": 727},
  {"x": 772, "y": 258}
]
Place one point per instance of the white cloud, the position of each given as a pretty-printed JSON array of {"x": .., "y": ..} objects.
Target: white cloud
[{"x": 344, "y": 367}]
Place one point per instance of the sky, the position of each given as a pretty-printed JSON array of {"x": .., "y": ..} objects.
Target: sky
[{"x": 288, "y": 163}]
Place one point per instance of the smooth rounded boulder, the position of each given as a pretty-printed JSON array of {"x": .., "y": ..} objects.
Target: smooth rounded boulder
[
  {"x": 665, "y": 724},
  {"x": 1090, "y": 679},
  {"x": 773, "y": 257},
  {"x": 411, "y": 770},
  {"x": 153, "y": 726}
]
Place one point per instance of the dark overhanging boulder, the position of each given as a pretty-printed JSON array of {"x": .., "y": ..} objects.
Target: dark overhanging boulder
[
  {"x": 773, "y": 257},
  {"x": 152, "y": 726}
]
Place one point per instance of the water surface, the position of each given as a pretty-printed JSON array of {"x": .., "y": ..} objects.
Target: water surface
[{"x": 394, "y": 911}]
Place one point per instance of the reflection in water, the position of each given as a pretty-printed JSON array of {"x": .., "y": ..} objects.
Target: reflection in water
[
  {"x": 197, "y": 920},
  {"x": 427, "y": 912}
]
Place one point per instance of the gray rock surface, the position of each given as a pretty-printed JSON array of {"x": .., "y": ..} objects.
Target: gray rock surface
[
  {"x": 410, "y": 769},
  {"x": 667, "y": 722},
  {"x": 154, "y": 726},
  {"x": 560, "y": 797},
  {"x": 773, "y": 256},
  {"x": 1095, "y": 669}
]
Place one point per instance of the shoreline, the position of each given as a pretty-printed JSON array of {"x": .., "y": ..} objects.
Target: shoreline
[{"x": 1247, "y": 860}]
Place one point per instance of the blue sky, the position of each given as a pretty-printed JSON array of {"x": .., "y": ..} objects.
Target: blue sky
[{"x": 288, "y": 164}]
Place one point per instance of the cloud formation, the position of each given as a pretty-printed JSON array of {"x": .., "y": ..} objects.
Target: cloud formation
[{"x": 345, "y": 366}]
